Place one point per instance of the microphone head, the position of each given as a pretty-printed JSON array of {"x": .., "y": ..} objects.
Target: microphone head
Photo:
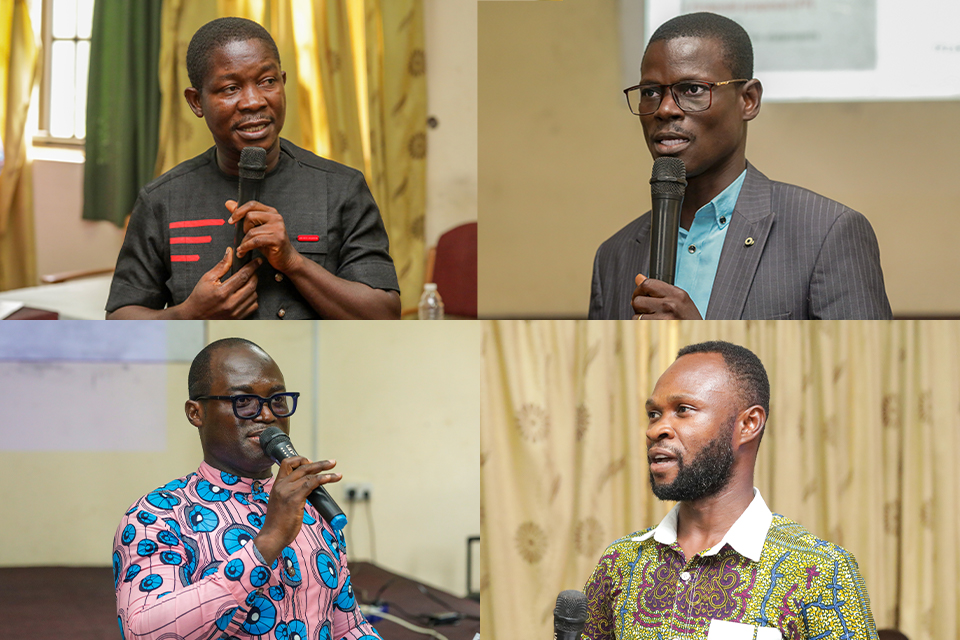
[
  {"x": 669, "y": 177},
  {"x": 253, "y": 163},
  {"x": 570, "y": 613},
  {"x": 271, "y": 439}
]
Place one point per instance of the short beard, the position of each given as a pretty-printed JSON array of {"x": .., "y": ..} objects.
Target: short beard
[{"x": 707, "y": 474}]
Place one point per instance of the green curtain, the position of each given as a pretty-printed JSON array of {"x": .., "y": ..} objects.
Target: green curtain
[{"x": 123, "y": 106}]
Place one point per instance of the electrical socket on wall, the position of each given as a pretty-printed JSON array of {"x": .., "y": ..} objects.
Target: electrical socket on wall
[{"x": 357, "y": 491}]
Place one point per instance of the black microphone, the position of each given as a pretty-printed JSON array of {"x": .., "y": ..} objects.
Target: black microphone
[
  {"x": 253, "y": 166},
  {"x": 666, "y": 190},
  {"x": 276, "y": 444},
  {"x": 570, "y": 615}
]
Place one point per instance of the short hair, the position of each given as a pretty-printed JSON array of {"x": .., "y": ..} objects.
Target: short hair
[
  {"x": 734, "y": 40},
  {"x": 216, "y": 34},
  {"x": 200, "y": 378},
  {"x": 747, "y": 370}
]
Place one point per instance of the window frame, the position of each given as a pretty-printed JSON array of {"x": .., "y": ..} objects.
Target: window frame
[{"x": 42, "y": 135}]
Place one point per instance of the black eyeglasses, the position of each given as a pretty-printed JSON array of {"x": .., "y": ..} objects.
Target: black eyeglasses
[
  {"x": 690, "y": 95},
  {"x": 246, "y": 406}
]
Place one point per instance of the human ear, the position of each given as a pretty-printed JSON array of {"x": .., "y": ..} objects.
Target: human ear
[
  {"x": 193, "y": 99},
  {"x": 750, "y": 424},
  {"x": 194, "y": 413},
  {"x": 751, "y": 95}
]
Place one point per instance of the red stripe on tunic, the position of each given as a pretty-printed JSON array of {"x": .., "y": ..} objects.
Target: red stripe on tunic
[
  {"x": 308, "y": 238},
  {"x": 197, "y": 223},
  {"x": 191, "y": 240},
  {"x": 184, "y": 258}
]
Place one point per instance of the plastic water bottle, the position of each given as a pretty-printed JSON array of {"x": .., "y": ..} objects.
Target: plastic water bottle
[{"x": 431, "y": 305}]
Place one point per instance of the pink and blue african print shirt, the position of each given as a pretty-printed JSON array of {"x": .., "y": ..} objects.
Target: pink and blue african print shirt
[
  {"x": 767, "y": 578},
  {"x": 185, "y": 568}
]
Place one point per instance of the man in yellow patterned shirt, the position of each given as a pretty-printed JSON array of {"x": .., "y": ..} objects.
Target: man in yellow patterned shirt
[{"x": 720, "y": 565}]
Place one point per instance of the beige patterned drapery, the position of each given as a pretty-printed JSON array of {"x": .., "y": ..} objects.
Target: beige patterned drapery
[
  {"x": 862, "y": 448},
  {"x": 19, "y": 65},
  {"x": 356, "y": 93}
]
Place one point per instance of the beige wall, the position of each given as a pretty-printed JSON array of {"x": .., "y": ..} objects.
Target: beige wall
[
  {"x": 64, "y": 240},
  {"x": 396, "y": 404},
  {"x": 451, "y": 42},
  {"x": 563, "y": 164}
]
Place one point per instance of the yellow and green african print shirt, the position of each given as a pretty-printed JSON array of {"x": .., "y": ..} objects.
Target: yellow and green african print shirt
[{"x": 768, "y": 578}]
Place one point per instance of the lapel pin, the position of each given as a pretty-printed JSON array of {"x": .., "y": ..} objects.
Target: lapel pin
[{"x": 748, "y": 242}]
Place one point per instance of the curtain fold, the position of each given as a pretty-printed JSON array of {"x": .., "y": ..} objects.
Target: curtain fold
[
  {"x": 123, "y": 107},
  {"x": 356, "y": 93},
  {"x": 862, "y": 448},
  {"x": 397, "y": 97},
  {"x": 19, "y": 65}
]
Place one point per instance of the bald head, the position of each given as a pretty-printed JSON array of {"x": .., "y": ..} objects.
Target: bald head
[{"x": 201, "y": 372}]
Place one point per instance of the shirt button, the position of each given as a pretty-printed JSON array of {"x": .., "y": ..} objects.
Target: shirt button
[
  {"x": 278, "y": 277},
  {"x": 281, "y": 313},
  {"x": 723, "y": 220},
  {"x": 685, "y": 576},
  {"x": 692, "y": 249},
  {"x": 291, "y": 572}
]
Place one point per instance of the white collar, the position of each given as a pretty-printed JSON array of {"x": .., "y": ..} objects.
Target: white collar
[{"x": 746, "y": 536}]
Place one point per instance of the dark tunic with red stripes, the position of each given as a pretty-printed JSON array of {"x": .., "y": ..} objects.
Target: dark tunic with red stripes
[{"x": 178, "y": 231}]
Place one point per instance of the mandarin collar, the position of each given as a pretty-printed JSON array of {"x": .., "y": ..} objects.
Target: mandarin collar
[{"x": 232, "y": 482}]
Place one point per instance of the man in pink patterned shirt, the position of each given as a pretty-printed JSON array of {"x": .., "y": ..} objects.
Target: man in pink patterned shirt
[{"x": 229, "y": 551}]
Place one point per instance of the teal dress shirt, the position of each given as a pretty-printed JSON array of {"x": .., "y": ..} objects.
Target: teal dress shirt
[{"x": 698, "y": 248}]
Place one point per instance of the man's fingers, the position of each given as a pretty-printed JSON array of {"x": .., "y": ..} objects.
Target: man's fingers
[
  {"x": 223, "y": 267},
  {"x": 248, "y": 307},
  {"x": 288, "y": 465},
  {"x": 300, "y": 466},
  {"x": 244, "y": 276},
  {"x": 246, "y": 210},
  {"x": 249, "y": 269},
  {"x": 639, "y": 279},
  {"x": 654, "y": 288},
  {"x": 327, "y": 478}
]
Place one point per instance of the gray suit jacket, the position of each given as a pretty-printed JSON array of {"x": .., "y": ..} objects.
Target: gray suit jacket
[{"x": 810, "y": 257}]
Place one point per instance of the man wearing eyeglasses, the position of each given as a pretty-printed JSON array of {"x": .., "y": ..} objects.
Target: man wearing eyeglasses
[
  {"x": 229, "y": 551},
  {"x": 749, "y": 247}
]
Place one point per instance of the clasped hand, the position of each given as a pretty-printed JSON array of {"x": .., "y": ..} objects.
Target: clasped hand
[
  {"x": 264, "y": 230},
  {"x": 656, "y": 300}
]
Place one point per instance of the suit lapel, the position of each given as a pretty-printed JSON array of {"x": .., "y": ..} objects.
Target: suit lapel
[
  {"x": 643, "y": 247},
  {"x": 742, "y": 248}
]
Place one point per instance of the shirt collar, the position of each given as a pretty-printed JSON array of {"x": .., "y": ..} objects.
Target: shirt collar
[
  {"x": 233, "y": 483},
  {"x": 746, "y": 536},
  {"x": 722, "y": 206}
]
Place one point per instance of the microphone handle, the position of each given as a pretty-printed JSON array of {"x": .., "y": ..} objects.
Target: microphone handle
[
  {"x": 249, "y": 190},
  {"x": 664, "y": 231},
  {"x": 328, "y": 509},
  {"x": 567, "y": 635}
]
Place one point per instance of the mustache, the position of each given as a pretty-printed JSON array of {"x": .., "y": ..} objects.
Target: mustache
[{"x": 251, "y": 119}]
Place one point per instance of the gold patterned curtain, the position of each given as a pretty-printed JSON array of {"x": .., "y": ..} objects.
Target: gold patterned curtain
[
  {"x": 356, "y": 93},
  {"x": 19, "y": 63},
  {"x": 862, "y": 448}
]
